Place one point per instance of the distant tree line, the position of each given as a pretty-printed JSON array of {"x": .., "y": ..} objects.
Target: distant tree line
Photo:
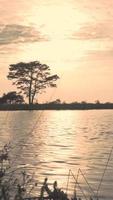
[
  {"x": 56, "y": 106},
  {"x": 15, "y": 98},
  {"x": 33, "y": 78}
]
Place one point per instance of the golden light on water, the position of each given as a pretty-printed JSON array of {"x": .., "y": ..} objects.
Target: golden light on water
[{"x": 60, "y": 141}]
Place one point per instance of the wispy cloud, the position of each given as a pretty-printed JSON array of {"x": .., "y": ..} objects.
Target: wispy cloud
[
  {"x": 94, "y": 31},
  {"x": 14, "y": 33},
  {"x": 100, "y": 54}
]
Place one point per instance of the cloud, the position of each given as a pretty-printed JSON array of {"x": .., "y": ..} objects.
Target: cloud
[
  {"x": 94, "y": 31},
  {"x": 14, "y": 33}
]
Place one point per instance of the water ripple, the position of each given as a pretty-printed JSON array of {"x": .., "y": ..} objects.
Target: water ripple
[{"x": 60, "y": 142}]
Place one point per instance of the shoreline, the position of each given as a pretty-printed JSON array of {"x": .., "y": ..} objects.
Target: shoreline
[{"x": 51, "y": 106}]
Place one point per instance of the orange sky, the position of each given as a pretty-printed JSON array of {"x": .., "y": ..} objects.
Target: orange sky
[{"x": 74, "y": 37}]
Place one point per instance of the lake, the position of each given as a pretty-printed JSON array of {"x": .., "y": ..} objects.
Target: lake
[{"x": 50, "y": 143}]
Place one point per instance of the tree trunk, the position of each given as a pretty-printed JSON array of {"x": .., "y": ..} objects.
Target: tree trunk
[
  {"x": 30, "y": 94},
  {"x": 33, "y": 96},
  {"x": 29, "y": 98},
  {"x": 30, "y": 88},
  {"x": 34, "y": 93}
]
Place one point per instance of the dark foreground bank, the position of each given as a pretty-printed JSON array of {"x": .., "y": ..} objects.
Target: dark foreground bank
[
  {"x": 22, "y": 187},
  {"x": 50, "y": 106}
]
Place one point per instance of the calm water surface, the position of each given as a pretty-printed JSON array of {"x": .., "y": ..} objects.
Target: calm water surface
[{"x": 50, "y": 143}]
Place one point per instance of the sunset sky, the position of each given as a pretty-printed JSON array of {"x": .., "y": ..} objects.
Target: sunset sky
[{"x": 73, "y": 37}]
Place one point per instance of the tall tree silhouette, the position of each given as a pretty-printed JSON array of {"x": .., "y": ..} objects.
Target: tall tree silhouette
[{"x": 31, "y": 78}]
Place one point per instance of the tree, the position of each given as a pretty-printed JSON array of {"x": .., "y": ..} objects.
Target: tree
[
  {"x": 12, "y": 98},
  {"x": 83, "y": 102},
  {"x": 31, "y": 78},
  {"x": 97, "y": 102},
  {"x": 57, "y": 101}
]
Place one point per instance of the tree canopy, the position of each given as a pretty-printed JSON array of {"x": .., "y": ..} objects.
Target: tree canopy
[
  {"x": 11, "y": 98},
  {"x": 31, "y": 78}
]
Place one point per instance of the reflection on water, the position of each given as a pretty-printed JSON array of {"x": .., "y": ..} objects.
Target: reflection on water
[{"x": 50, "y": 143}]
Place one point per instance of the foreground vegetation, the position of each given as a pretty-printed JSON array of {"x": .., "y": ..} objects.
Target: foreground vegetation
[{"x": 21, "y": 187}]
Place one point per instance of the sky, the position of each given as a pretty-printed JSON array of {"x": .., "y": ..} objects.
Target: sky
[{"x": 73, "y": 37}]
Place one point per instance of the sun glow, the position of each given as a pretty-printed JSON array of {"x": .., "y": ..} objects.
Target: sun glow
[
  {"x": 60, "y": 20},
  {"x": 71, "y": 36}
]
